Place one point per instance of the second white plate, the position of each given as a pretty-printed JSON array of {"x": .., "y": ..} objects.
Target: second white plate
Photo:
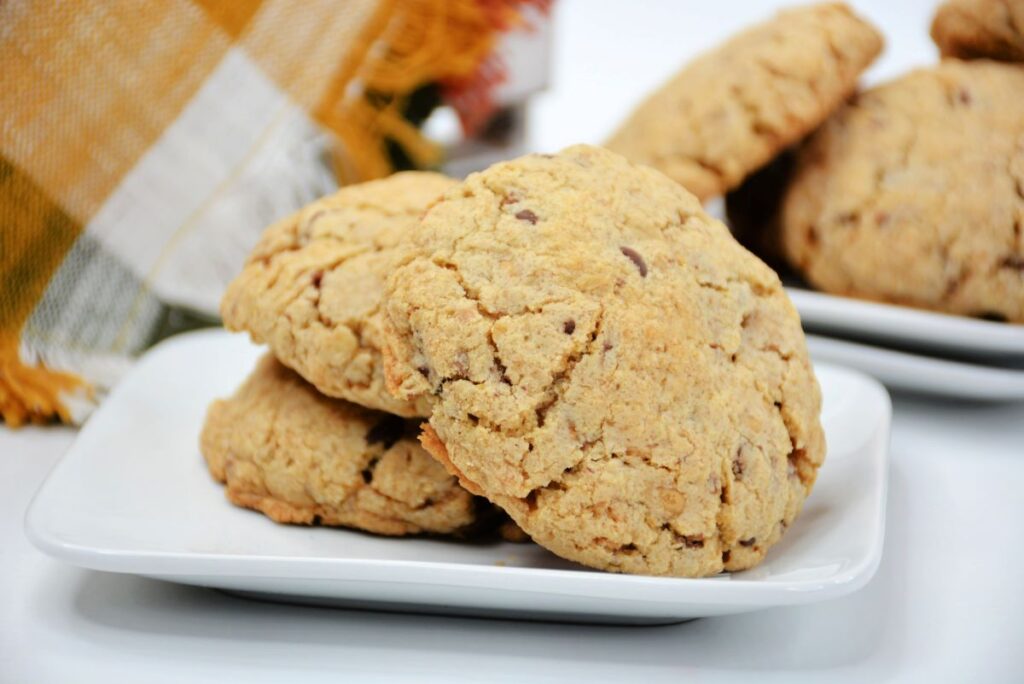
[
  {"x": 925, "y": 374},
  {"x": 912, "y": 328}
]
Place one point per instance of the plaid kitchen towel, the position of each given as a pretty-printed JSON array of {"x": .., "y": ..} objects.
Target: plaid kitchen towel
[{"x": 144, "y": 145}]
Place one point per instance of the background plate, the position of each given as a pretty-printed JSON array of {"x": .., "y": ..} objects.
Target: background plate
[
  {"x": 917, "y": 373},
  {"x": 133, "y": 496},
  {"x": 911, "y": 328}
]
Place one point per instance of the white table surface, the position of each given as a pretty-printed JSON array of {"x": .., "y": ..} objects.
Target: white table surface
[{"x": 947, "y": 603}]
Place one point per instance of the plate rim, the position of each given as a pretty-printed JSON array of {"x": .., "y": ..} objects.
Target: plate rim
[
  {"x": 1001, "y": 384},
  {"x": 896, "y": 323}
]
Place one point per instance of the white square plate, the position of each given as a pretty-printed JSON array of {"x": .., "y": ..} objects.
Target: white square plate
[{"x": 133, "y": 496}]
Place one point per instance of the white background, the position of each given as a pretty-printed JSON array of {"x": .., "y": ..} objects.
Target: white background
[{"x": 947, "y": 603}]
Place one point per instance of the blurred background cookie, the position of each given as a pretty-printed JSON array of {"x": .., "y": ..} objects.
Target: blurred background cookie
[
  {"x": 914, "y": 193},
  {"x": 733, "y": 109},
  {"x": 282, "y": 448},
  {"x": 971, "y": 29}
]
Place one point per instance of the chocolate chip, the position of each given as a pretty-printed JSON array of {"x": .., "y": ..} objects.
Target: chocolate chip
[
  {"x": 1014, "y": 262},
  {"x": 737, "y": 465},
  {"x": 693, "y": 542},
  {"x": 387, "y": 431},
  {"x": 748, "y": 542},
  {"x": 725, "y": 557},
  {"x": 993, "y": 316},
  {"x": 527, "y": 215},
  {"x": 502, "y": 372},
  {"x": 812, "y": 236},
  {"x": 569, "y": 326},
  {"x": 475, "y": 420},
  {"x": 318, "y": 276},
  {"x": 424, "y": 371},
  {"x": 628, "y": 548},
  {"x": 368, "y": 470},
  {"x": 637, "y": 260}
]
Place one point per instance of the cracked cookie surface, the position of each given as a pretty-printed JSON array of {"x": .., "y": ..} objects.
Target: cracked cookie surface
[
  {"x": 284, "y": 449},
  {"x": 607, "y": 364},
  {"x": 733, "y": 109},
  {"x": 971, "y": 29},
  {"x": 914, "y": 194},
  {"x": 311, "y": 287}
]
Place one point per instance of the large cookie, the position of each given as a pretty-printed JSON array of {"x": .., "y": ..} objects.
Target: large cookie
[
  {"x": 311, "y": 288},
  {"x": 297, "y": 456},
  {"x": 970, "y": 29},
  {"x": 914, "y": 194},
  {"x": 733, "y": 109},
  {"x": 607, "y": 364}
]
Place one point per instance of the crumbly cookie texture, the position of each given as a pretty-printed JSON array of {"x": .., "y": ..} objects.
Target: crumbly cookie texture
[
  {"x": 914, "y": 194},
  {"x": 733, "y": 109},
  {"x": 311, "y": 288},
  {"x": 607, "y": 364},
  {"x": 970, "y": 29},
  {"x": 284, "y": 449}
]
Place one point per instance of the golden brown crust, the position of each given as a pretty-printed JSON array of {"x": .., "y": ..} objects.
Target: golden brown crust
[
  {"x": 435, "y": 447},
  {"x": 987, "y": 29},
  {"x": 311, "y": 288},
  {"x": 606, "y": 364},
  {"x": 299, "y": 457},
  {"x": 914, "y": 193},
  {"x": 733, "y": 109}
]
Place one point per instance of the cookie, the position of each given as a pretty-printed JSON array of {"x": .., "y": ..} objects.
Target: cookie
[
  {"x": 284, "y": 449},
  {"x": 914, "y": 194},
  {"x": 970, "y": 29},
  {"x": 607, "y": 364},
  {"x": 733, "y": 109},
  {"x": 311, "y": 288}
]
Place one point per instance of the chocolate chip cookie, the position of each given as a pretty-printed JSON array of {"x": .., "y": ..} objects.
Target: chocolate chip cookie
[
  {"x": 733, "y": 109},
  {"x": 311, "y": 288},
  {"x": 970, "y": 29},
  {"x": 914, "y": 194},
  {"x": 284, "y": 449},
  {"x": 607, "y": 364}
]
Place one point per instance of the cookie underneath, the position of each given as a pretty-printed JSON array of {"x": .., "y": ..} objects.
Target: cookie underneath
[{"x": 285, "y": 450}]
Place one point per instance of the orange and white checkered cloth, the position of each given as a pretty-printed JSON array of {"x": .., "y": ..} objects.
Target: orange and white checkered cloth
[{"x": 145, "y": 145}]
